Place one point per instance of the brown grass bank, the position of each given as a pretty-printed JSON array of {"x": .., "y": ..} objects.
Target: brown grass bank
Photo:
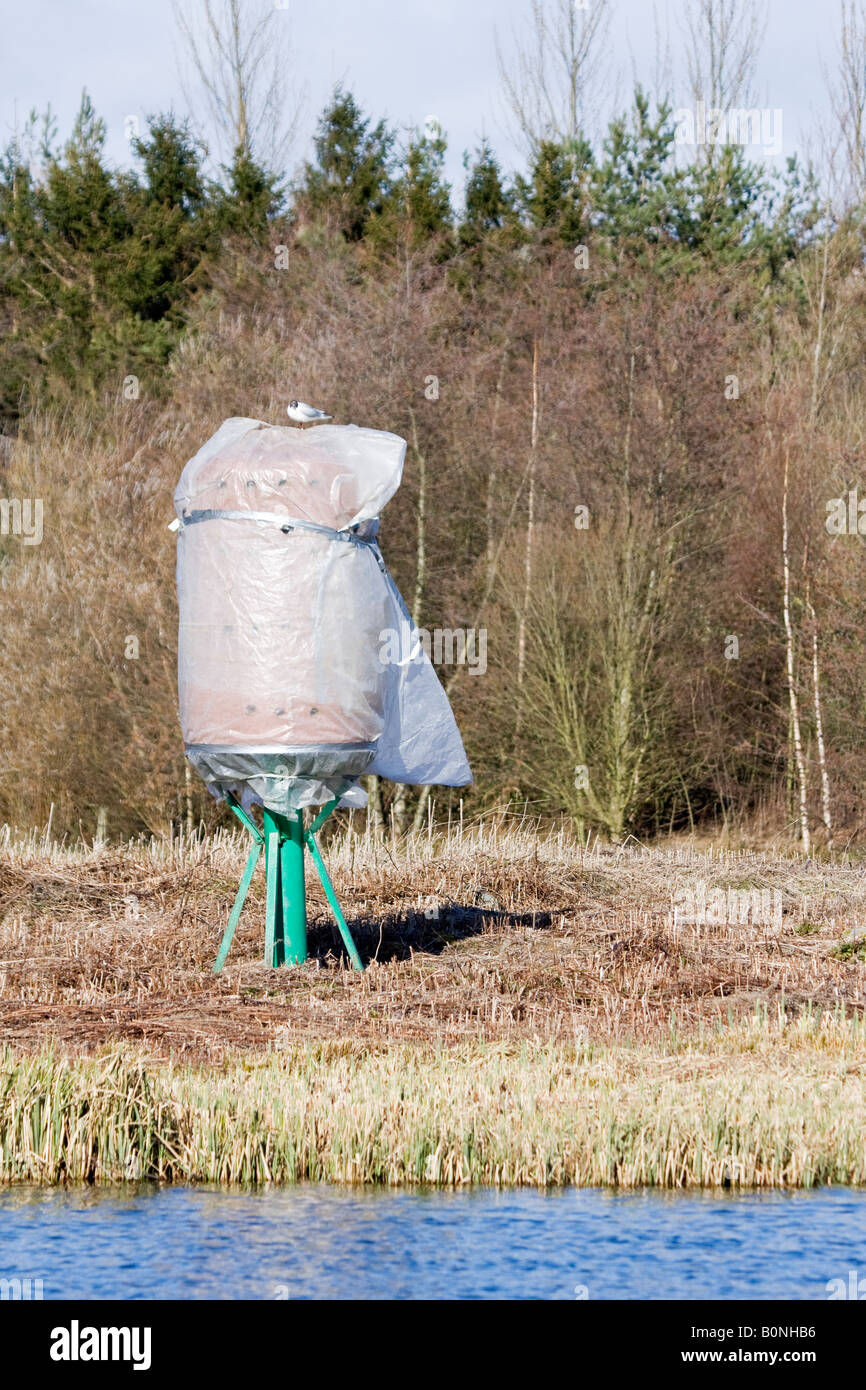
[{"x": 489, "y": 935}]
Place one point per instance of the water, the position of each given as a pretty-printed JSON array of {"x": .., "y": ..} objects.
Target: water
[{"x": 323, "y": 1242}]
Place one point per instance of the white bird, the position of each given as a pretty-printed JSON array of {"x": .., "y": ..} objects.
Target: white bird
[{"x": 304, "y": 414}]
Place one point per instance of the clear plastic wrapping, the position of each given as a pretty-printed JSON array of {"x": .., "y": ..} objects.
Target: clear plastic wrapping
[{"x": 286, "y": 693}]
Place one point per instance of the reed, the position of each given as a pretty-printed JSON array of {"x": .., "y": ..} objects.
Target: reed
[{"x": 769, "y": 1102}]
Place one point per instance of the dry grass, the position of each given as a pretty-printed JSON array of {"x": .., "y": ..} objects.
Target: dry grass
[{"x": 535, "y": 939}]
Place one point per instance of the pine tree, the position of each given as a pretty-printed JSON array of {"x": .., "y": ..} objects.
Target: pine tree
[
  {"x": 69, "y": 265},
  {"x": 252, "y": 196},
  {"x": 97, "y": 266},
  {"x": 488, "y": 205},
  {"x": 554, "y": 198},
  {"x": 171, "y": 163},
  {"x": 735, "y": 210},
  {"x": 421, "y": 196},
  {"x": 19, "y": 299},
  {"x": 637, "y": 190},
  {"x": 351, "y": 180}
]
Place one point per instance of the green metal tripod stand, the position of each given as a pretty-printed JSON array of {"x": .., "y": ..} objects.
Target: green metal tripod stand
[{"x": 283, "y": 840}]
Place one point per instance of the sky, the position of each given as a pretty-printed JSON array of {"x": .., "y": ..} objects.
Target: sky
[{"x": 404, "y": 59}]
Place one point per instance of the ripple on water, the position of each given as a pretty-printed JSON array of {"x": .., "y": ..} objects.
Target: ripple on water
[{"x": 327, "y": 1242}]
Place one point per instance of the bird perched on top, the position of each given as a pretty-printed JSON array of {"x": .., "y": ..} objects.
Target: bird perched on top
[{"x": 304, "y": 414}]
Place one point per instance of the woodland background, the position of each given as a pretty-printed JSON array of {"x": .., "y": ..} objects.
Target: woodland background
[{"x": 649, "y": 387}]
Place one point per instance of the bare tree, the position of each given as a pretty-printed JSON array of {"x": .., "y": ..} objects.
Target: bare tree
[
  {"x": 530, "y": 528},
  {"x": 826, "y": 808},
  {"x": 550, "y": 78},
  {"x": 400, "y": 805},
  {"x": 722, "y": 42},
  {"x": 847, "y": 88},
  {"x": 830, "y": 309},
  {"x": 240, "y": 55},
  {"x": 796, "y": 735},
  {"x": 663, "y": 56}
]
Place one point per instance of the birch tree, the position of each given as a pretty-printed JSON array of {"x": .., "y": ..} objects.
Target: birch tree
[
  {"x": 826, "y": 808},
  {"x": 530, "y": 530},
  {"x": 550, "y": 77},
  {"x": 722, "y": 42},
  {"x": 847, "y": 91},
  {"x": 796, "y": 736},
  {"x": 240, "y": 55}
]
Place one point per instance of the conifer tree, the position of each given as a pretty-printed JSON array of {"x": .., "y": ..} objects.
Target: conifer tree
[
  {"x": 251, "y": 197},
  {"x": 351, "y": 179},
  {"x": 421, "y": 196},
  {"x": 487, "y": 203},
  {"x": 554, "y": 198}
]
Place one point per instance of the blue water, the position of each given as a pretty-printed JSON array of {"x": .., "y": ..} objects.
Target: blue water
[{"x": 322, "y": 1242}]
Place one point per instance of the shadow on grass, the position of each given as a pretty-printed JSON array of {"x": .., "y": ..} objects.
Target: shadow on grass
[{"x": 398, "y": 937}]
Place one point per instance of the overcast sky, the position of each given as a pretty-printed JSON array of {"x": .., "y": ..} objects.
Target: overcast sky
[{"x": 405, "y": 59}]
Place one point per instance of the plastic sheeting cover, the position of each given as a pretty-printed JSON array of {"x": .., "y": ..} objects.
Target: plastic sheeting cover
[{"x": 286, "y": 691}]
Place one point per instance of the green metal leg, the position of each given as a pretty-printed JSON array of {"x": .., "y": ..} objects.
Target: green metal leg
[
  {"x": 245, "y": 820},
  {"x": 273, "y": 897},
  {"x": 283, "y": 842},
  {"x": 332, "y": 899},
  {"x": 238, "y": 905},
  {"x": 323, "y": 816},
  {"x": 294, "y": 896}
]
